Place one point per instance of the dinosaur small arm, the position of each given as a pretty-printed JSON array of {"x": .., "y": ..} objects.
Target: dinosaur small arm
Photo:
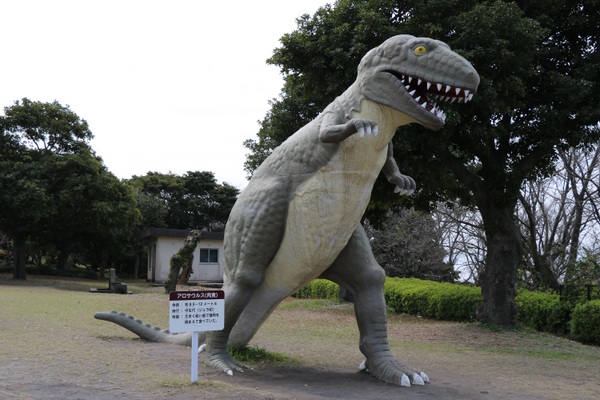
[{"x": 299, "y": 216}]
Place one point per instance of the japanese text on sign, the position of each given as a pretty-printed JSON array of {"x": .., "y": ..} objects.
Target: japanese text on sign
[{"x": 196, "y": 311}]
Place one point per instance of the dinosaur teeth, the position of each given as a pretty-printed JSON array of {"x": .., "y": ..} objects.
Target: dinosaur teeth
[
  {"x": 427, "y": 93},
  {"x": 438, "y": 113}
]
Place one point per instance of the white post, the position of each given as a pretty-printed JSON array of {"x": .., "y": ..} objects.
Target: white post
[{"x": 194, "y": 356}]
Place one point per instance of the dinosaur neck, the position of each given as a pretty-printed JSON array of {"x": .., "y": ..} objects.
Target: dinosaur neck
[{"x": 387, "y": 118}]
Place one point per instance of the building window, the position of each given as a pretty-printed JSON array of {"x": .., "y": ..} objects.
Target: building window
[{"x": 209, "y": 256}]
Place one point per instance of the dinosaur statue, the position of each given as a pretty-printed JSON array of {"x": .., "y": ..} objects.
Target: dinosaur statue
[{"x": 299, "y": 216}]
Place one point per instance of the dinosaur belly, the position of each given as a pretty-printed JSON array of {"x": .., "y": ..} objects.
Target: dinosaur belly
[{"x": 323, "y": 213}]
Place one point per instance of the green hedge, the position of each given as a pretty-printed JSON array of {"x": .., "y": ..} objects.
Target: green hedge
[
  {"x": 319, "y": 289},
  {"x": 429, "y": 299},
  {"x": 585, "y": 322},
  {"x": 453, "y": 302},
  {"x": 543, "y": 311}
]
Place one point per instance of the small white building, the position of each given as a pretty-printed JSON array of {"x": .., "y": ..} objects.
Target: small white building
[{"x": 163, "y": 243}]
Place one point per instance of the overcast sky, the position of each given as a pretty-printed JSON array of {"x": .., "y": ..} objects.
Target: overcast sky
[{"x": 166, "y": 86}]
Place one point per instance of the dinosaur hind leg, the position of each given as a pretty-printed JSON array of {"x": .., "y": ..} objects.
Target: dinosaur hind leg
[
  {"x": 249, "y": 248},
  {"x": 237, "y": 294},
  {"x": 262, "y": 304},
  {"x": 356, "y": 270}
]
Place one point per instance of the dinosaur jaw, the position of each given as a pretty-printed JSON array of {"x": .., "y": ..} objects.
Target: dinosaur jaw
[{"x": 425, "y": 94}]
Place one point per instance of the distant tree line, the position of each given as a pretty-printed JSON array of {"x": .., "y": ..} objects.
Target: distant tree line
[{"x": 61, "y": 207}]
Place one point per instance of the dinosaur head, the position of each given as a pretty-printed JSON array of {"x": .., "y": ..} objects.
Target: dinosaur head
[{"x": 410, "y": 74}]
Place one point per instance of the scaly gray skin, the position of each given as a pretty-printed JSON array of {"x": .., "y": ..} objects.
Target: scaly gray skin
[
  {"x": 299, "y": 216},
  {"x": 145, "y": 331}
]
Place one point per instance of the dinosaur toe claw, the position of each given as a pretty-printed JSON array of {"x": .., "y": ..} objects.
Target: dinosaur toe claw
[
  {"x": 363, "y": 365},
  {"x": 404, "y": 381},
  {"x": 417, "y": 380}
]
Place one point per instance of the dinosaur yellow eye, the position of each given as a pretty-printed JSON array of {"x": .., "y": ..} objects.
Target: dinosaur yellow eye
[{"x": 420, "y": 50}]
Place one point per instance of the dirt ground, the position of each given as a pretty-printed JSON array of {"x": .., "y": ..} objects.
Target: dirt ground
[{"x": 54, "y": 349}]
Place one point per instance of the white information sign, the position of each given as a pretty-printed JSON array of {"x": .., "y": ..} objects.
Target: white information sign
[{"x": 196, "y": 311}]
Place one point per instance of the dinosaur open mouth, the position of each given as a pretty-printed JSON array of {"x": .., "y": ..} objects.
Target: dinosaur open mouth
[{"x": 427, "y": 93}]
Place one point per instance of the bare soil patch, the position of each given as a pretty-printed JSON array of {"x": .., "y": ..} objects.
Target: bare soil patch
[{"x": 51, "y": 347}]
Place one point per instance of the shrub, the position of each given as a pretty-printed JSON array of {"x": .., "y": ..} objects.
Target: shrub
[
  {"x": 455, "y": 302},
  {"x": 395, "y": 291},
  {"x": 319, "y": 289},
  {"x": 543, "y": 312},
  {"x": 585, "y": 322},
  {"x": 444, "y": 301}
]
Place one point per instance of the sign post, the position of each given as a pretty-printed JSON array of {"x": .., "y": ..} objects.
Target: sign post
[{"x": 196, "y": 311}]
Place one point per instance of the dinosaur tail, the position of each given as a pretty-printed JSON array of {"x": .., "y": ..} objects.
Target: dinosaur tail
[{"x": 145, "y": 331}]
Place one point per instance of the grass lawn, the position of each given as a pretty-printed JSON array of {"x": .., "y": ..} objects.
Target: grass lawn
[{"x": 52, "y": 347}]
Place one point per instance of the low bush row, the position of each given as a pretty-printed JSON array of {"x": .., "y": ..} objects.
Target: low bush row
[
  {"x": 319, "y": 289},
  {"x": 543, "y": 311},
  {"x": 585, "y": 322},
  {"x": 429, "y": 299},
  {"x": 453, "y": 302}
]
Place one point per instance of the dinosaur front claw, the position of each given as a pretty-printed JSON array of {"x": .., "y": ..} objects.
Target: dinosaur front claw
[
  {"x": 365, "y": 127},
  {"x": 405, "y": 185}
]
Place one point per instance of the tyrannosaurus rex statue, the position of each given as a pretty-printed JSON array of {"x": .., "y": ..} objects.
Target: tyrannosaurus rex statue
[{"x": 299, "y": 216}]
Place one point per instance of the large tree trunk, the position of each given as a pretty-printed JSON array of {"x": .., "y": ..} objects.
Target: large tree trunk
[
  {"x": 19, "y": 254},
  {"x": 498, "y": 278}
]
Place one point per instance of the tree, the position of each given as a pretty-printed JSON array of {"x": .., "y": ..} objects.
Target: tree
[
  {"x": 181, "y": 262},
  {"x": 540, "y": 71},
  {"x": 55, "y": 191},
  {"x": 557, "y": 218},
  {"x": 462, "y": 236},
  {"x": 30, "y": 132},
  {"x": 409, "y": 245},
  {"x": 107, "y": 229},
  {"x": 194, "y": 200}
]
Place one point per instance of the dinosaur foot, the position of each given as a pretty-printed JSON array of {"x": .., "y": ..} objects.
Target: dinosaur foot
[
  {"x": 222, "y": 360},
  {"x": 391, "y": 371}
]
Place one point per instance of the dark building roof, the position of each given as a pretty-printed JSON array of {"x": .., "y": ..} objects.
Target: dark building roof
[{"x": 167, "y": 232}]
